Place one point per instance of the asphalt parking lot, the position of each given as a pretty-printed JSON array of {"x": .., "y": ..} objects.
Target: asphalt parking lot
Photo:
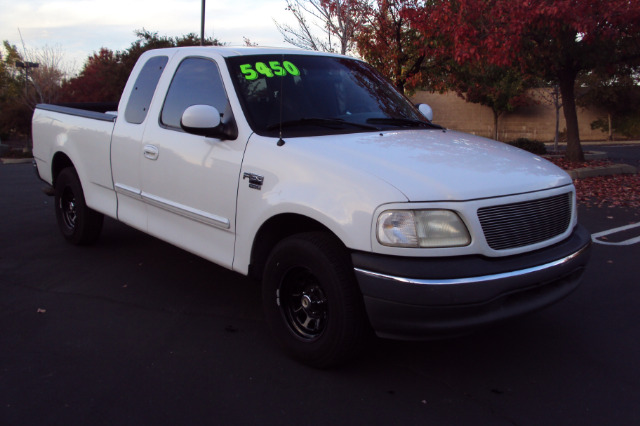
[{"x": 135, "y": 331}]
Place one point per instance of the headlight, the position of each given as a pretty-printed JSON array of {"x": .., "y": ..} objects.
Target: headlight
[{"x": 422, "y": 228}]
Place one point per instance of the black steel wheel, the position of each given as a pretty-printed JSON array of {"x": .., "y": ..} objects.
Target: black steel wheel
[
  {"x": 303, "y": 303},
  {"x": 312, "y": 301},
  {"x": 78, "y": 223}
]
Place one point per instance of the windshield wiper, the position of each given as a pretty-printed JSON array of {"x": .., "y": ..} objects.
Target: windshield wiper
[
  {"x": 404, "y": 122},
  {"x": 334, "y": 123}
]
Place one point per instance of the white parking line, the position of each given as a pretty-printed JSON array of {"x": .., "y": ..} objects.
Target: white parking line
[{"x": 594, "y": 237}]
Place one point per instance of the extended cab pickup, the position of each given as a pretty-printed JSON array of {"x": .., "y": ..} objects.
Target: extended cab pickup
[{"x": 312, "y": 173}]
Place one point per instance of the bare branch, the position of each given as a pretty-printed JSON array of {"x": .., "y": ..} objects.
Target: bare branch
[
  {"x": 324, "y": 25},
  {"x": 46, "y": 80}
]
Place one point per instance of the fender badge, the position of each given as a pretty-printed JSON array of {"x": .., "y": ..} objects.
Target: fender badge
[{"x": 255, "y": 181}]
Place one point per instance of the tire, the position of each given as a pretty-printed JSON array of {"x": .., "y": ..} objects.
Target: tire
[
  {"x": 79, "y": 224},
  {"x": 312, "y": 302}
]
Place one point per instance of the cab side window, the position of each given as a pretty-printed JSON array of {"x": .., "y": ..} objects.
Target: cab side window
[
  {"x": 143, "y": 89},
  {"x": 196, "y": 82}
]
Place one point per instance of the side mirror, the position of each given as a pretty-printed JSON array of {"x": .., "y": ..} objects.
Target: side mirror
[
  {"x": 426, "y": 111},
  {"x": 203, "y": 120}
]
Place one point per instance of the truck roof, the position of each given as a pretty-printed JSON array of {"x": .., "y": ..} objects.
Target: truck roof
[{"x": 228, "y": 51}]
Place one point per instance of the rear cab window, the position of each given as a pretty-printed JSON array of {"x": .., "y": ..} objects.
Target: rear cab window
[{"x": 144, "y": 88}]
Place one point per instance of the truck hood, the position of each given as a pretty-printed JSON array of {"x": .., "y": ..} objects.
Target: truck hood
[{"x": 437, "y": 165}]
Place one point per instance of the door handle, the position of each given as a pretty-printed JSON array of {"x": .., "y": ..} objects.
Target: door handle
[{"x": 151, "y": 152}]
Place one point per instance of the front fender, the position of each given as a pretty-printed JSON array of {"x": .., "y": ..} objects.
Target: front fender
[{"x": 297, "y": 179}]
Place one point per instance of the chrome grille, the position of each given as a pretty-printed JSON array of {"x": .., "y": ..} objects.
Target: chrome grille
[{"x": 515, "y": 225}]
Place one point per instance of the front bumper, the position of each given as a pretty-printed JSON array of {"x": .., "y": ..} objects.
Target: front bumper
[{"x": 414, "y": 298}]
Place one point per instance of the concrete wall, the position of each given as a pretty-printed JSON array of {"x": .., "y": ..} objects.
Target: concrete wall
[{"x": 536, "y": 121}]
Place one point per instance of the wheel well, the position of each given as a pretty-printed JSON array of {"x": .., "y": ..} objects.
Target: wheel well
[
  {"x": 60, "y": 162},
  {"x": 276, "y": 229}
]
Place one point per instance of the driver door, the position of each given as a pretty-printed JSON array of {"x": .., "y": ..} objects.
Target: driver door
[{"x": 190, "y": 182}]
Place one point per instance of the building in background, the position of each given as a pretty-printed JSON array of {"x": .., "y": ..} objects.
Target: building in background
[{"x": 536, "y": 121}]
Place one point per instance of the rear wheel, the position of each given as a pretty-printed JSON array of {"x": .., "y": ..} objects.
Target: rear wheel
[
  {"x": 78, "y": 223},
  {"x": 312, "y": 302}
]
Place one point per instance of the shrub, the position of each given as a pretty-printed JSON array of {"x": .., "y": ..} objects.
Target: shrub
[
  {"x": 533, "y": 146},
  {"x": 628, "y": 125}
]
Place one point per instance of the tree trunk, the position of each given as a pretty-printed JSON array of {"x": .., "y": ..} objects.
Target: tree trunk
[
  {"x": 610, "y": 127},
  {"x": 557, "y": 137},
  {"x": 556, "y": 102},
  {"x": 567, "y": 80}
]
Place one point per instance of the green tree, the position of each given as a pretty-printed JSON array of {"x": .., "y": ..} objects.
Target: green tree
[
  {"x": 15, "y": 115},
  {"x": 501, "y": 88},
  {"x": 619, "y": 96}
]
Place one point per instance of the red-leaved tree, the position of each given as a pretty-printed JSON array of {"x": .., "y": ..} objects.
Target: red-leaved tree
[
  {"x": 105, "y": 73},
  {"x": 387, "y": 40},
  {"x": 102, "y": 79},
  {"x": 553, "y": 39}
]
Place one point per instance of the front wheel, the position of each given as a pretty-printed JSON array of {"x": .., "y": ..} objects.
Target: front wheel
[
  {"x": 78, "y": 223},
  {"x": 312, "y": 302}
]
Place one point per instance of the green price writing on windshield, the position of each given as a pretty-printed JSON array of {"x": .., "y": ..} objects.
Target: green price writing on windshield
[{"x": 253, "y": 71}]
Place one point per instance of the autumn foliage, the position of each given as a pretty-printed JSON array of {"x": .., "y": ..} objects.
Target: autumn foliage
[
  {"x": 102, "y": 79},
  {"x": 387, "y": 40},
  {"x": 488, "y": 51},
  {"x": 105, "y": 73},
  {"x": 554, "y": 40}
]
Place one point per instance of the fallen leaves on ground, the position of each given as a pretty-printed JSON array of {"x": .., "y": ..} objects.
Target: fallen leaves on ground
[
  {"x": 604, "y": 191},
  {"x": 609, "y": 191},
  {"x": 569, "y": 165}
]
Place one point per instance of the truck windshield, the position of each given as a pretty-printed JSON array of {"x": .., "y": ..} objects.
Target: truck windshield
[{"x": 304, "y": 95}]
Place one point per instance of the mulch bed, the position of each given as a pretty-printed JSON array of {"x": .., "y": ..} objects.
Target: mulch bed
[{"x": 604, "y": 191}]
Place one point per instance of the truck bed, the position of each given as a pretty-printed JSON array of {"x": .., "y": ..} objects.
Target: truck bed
[
  {"x": 96, "y": 111},
  {"x": 80, "y": 137}
]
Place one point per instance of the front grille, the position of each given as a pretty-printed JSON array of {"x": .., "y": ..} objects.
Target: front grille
[{"x": 515, "y": 225}]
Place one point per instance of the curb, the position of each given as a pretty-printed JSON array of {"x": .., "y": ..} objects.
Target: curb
[
  {"x": 588, "y": 172},
  {"x": 616, "y": 169},
  {"x": 609, "y": 143},
  {"x": 16, "y": 160},
  {"x": 588, "y": 155},
  {"x": 595, "y": 155}
]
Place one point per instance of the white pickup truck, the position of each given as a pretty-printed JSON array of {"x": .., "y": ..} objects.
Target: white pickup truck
[{"x": 310, "y": 172}]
